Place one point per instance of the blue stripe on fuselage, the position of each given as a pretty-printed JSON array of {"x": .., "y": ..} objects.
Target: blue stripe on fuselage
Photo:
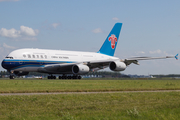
[{"x": 12, "y": 64}]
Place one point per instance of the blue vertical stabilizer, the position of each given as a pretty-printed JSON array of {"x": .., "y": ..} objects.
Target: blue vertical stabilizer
[{"x": 109, "y": 46}]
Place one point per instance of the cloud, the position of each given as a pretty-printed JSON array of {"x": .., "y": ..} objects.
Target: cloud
[
  {"x": 24, "y": 32},
  {"x": 159, "y": 52},
  {"x": 54, "y": 25},
  {"x": 98, "y": 30},
  {"x": 140, "y": 52},
  {"x": 155, "y": 52},
  {"x": 9, "y": 0},
  {"x": 7, "y": 46},
  {"x": 115, "y": 18},
  {"x": 50, "y": 26},
  {"x": 12, "y": 33},
  {"x": 28, "y": 31}
]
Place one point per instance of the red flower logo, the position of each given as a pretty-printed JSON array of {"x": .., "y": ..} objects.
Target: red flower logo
[{"x": 113, "y": 40}]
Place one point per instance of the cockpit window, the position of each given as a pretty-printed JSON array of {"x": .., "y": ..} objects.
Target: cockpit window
[{"x": 9, "y": 57}]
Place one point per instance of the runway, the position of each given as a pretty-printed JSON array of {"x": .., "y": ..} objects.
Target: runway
[{"x": 56, "y": 93}]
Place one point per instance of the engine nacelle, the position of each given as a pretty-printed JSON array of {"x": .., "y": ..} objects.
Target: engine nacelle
[
  {"x": 20, "y": 73},
  {"x": 117, "y": 66},
  {"x": 80, "y": 69}
]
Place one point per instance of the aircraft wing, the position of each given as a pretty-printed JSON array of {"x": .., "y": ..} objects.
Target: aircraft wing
[
  {"x": 136, "y": 59},
  {"x": 97, "y": 65},
  {"x": 93, "y": 65},
  {"x": 56, "y": 68}
]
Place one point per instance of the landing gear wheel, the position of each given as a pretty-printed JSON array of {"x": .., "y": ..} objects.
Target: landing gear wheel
[
  {"x": 11, "y": 77},
  {"x": 70, "y": 77},
  {"x": 79, "y": 77},
  {"x": 51, "y": 77},
  {"x": 74, "y": 77},
  {"x": 64, "y": 77}
]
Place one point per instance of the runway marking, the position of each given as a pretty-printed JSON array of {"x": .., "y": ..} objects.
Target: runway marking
[{"x": 55, "y": 93}]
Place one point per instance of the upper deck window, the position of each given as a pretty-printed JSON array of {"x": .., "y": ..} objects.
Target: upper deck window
[
  {"x": 24, "y": 56},
  {"x": 29, "y": 56}
]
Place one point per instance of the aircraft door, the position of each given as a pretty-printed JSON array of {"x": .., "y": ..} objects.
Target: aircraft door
[{"x": 41, "y": 62}]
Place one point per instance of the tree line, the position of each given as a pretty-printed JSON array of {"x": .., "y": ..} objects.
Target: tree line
[{"x": 101, "y": 73}]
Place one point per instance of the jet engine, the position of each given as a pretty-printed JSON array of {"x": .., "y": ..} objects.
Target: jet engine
[
  {"x": 20, "y": 73},
  {"x": 80, "y": 69},
  {"x": 117, "y": 66}
]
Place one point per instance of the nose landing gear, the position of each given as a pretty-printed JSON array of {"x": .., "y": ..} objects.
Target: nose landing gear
[
  {"x": 11, "y": 77},
  {"x": 11, "y": 74}
]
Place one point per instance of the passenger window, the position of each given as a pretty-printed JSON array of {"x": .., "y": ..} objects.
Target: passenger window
[
  {"x": 24, "y": 56},
  {"x": 37, "y": 56},
  {"x": 33, "y": 56},
  {"x": 29, "y": 56},
  {"x": 41, "y": 56},
  {"x": 46, "y": 56}
]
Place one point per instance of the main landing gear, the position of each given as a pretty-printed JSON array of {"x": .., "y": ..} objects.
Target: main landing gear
[
  {"x": 65, "y": 77},
  {"x": 51, "y": 77}
]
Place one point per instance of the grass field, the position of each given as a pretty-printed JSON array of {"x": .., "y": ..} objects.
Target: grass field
[
  {"x": 114, "y": 106},
  {"x": 106, "y": 106},
  {"x": 32, "y": 85}
]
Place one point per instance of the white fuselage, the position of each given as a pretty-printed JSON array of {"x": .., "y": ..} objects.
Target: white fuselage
[{"x": 32, "y": 59}]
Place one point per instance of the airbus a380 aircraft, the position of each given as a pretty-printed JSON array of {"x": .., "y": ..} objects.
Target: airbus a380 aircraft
[{"x": 70, "y": 64}]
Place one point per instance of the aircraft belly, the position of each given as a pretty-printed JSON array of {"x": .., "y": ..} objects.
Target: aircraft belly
[
  {"x": 56, "y": 70},
  {"x": 28, "y": 69}
]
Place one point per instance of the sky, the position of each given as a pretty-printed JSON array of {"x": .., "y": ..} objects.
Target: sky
[{"x": 150, "y": 28}]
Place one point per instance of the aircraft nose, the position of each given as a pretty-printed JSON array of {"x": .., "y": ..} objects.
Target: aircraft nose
[{"x": 4, "y": 64}]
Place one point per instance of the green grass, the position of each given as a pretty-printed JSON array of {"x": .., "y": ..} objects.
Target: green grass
[
  {"x": 114, "y": 106},
  {"x": 106, "y": 106},
  {"x": 32, "y": 85}
]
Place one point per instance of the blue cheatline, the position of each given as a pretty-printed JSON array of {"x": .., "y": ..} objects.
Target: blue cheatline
[
  {"x": 109, "y": 46},
  {"x": 15, "y": 64}
]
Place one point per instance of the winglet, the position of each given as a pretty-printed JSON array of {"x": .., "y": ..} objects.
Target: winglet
[{"x": 176, "y": 57}]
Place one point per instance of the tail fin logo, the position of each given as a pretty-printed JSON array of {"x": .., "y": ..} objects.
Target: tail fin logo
[{"x": 113, "y": 40}]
